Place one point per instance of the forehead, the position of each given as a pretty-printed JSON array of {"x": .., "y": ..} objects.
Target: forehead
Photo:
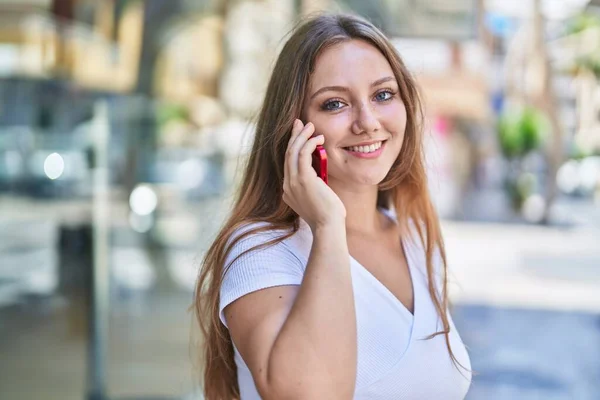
[{"x": 349, "y": 63}]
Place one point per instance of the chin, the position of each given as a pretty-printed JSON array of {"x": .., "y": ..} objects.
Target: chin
[{"x": 371, "y": 179}]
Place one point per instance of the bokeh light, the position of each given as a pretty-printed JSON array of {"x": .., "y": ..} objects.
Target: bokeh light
[
  {"x": 143, "y": 200},
  {"x": 54, "y": 166}
]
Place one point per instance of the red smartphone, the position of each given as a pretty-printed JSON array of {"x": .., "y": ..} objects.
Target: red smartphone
[{"x": 319, "y": 162}]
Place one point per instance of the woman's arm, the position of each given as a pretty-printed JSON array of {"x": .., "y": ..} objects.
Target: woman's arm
[{"x": 299, "y": 342}]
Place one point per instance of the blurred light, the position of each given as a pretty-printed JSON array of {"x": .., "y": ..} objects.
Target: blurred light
[
  {"x": 54, "y": 166},
  {"x": 132, "y": 268},
  {"x": 552, "y": 9},
  {"x": 183, "y": 268},
  {"x": 534, "y": 208},
  {"x": 42, "y": 281},
  {"x": 140, "y": 223},
  {"x": 589, "y": 174},
  {"x": 191, "y": 173},
  {"x": 143, "y": 200},
  {"x": 567, "y": 177},
  {"x": 9, "y": 59}
]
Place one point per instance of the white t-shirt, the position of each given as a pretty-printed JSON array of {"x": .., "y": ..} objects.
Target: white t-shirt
[{"x": 394, "y": 360}]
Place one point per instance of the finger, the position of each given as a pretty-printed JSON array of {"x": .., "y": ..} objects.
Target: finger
[
  {"x": 305, "y": 162},
  {"x": 302, "y": 136},
  {"x": 295, "y": 130},
  {"x": 299, "y": 142},
  {"x": 297, "y": 127}
]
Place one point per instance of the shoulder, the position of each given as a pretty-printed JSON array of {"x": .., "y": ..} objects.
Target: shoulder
[
  {"x": 264, "y": 234},
  {"x": 261, "y": 237},
  {"x": 252, "y": 234},
  {"x": 260, "y": 256}
]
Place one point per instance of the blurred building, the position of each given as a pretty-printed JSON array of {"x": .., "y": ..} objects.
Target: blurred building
[{"x": 122, "y": 124}]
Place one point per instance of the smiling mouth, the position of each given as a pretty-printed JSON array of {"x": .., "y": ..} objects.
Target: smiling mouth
[{"x": 366, "y": 149}]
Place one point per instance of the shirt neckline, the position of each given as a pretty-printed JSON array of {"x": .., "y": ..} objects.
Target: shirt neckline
[{"x": 399, "y": 305}]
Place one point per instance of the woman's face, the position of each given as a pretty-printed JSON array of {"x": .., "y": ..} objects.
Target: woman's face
[{"x": 354, "y": 101}]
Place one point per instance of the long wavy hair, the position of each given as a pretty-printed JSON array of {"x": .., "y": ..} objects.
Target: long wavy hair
[{"x": 260, "y": 194}]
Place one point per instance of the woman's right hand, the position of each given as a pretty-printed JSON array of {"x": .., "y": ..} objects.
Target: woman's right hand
[{"x": 303, "y": 190}]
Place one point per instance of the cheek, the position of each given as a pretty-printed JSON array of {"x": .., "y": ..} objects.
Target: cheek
[
  {"x": 334, "y": 126},
  {"x": 394, "y": 119}
]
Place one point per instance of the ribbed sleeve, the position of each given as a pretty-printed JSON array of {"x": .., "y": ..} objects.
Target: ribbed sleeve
[{"x": 274, "y": 265}]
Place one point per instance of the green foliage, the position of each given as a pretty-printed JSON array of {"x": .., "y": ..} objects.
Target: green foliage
[
  {"x": 590, "y": 63},
  {"x": 578, "y": 153},
  {"x": 582, "y": 22},
  {"x": 168, "y": 112},
  {"x": 577, "y": 25},
  {"x": 521, "y": 132}
]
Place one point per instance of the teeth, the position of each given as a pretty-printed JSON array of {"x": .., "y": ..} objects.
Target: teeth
[{"x": 366, "y": 149}]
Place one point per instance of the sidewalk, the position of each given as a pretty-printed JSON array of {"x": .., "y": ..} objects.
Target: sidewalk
[{"x": 523, "y": 266}]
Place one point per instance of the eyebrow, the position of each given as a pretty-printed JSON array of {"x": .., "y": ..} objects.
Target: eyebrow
[{"x": 345, "y": 89}]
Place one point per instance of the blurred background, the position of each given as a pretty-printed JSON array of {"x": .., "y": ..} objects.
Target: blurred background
[{"x": 121, "y": 126}]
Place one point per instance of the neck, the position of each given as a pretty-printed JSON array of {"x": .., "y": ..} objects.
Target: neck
[{"x": 362, "y": 215}]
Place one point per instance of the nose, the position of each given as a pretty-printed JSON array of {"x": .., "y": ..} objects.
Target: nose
[{"x": 366, "y": 121}]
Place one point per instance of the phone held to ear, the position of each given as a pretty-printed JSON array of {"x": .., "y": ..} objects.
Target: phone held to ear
[{"x": 319, "y": 162}]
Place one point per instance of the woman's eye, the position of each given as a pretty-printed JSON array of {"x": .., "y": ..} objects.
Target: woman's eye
[
  {"x": 383, "y": 96},
  {"x": 332, "y": 105}
]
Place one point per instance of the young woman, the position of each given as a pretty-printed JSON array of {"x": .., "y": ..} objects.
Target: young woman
[{"x": 316, "y": 291}]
